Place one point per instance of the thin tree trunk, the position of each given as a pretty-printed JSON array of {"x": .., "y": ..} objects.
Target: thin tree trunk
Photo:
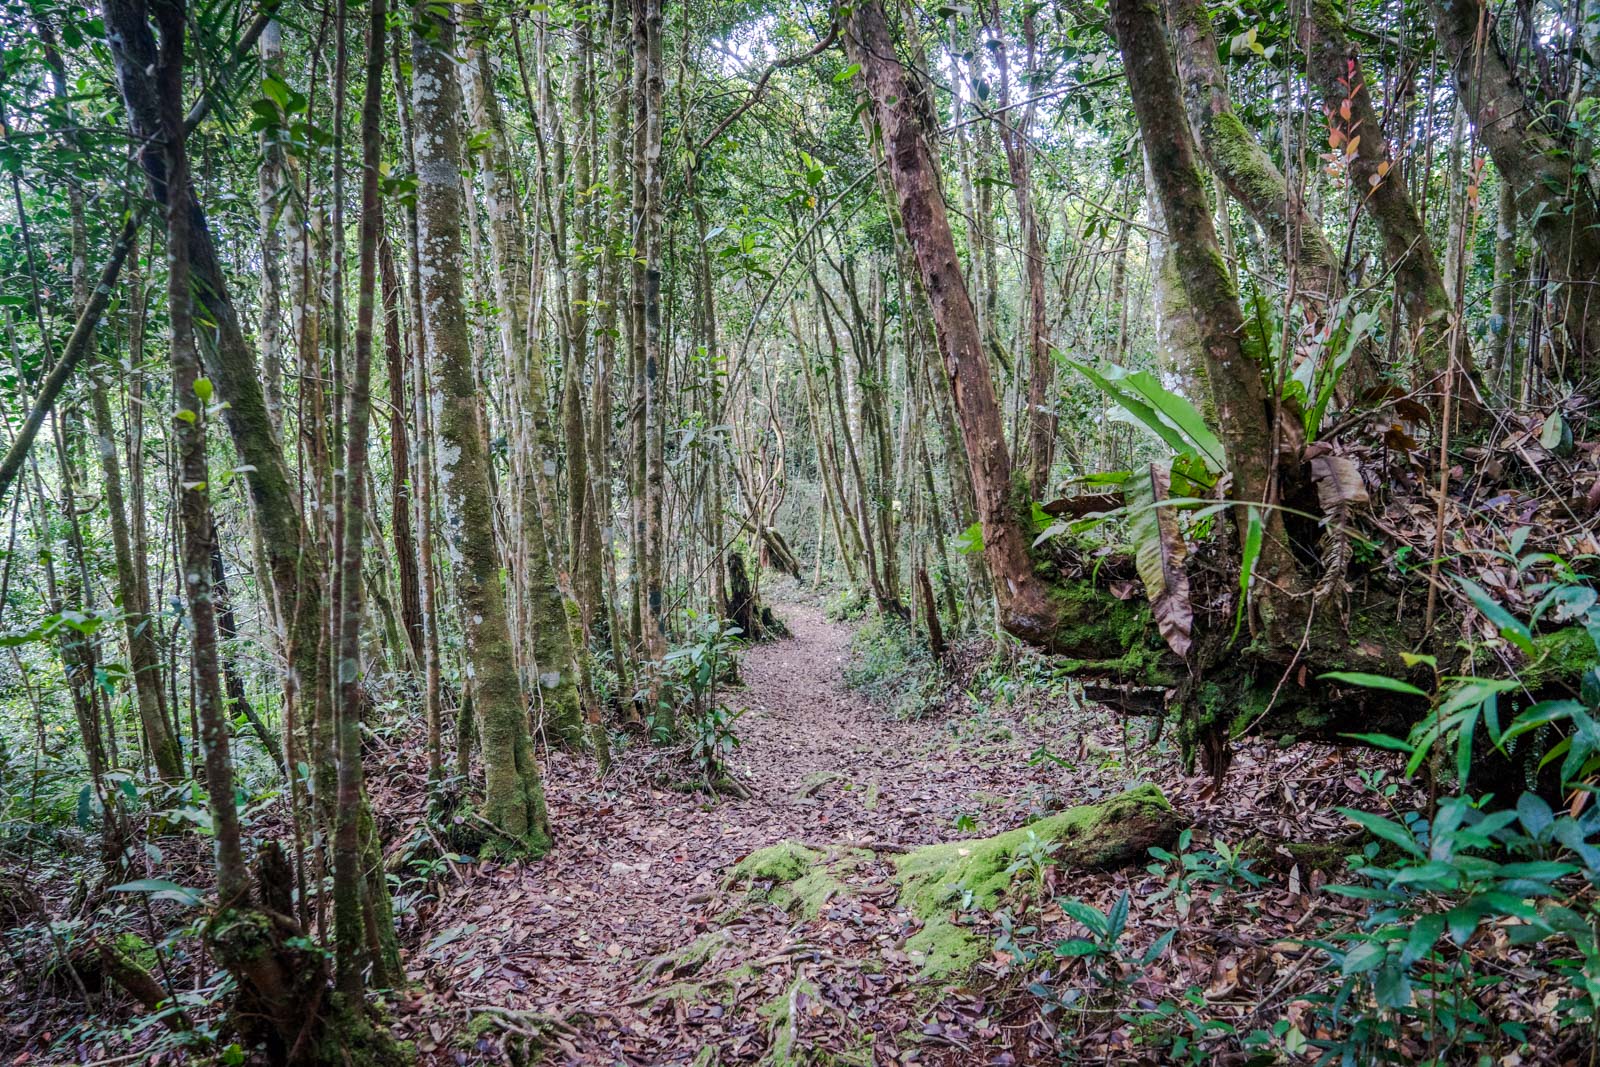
[
  {"x": 1535, "y": 155},
  {"x": 1026, "y": 606},
  {"x": 1335, "y": 66},
  {"x": 513, "y": 794},
  {"x": 1041, "y": 419},
  {"x": 353, "y": 953}
]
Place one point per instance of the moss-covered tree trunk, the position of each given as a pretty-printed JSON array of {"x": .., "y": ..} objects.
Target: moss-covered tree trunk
[
  {"x": 1237, "y": 388},
  {"x": 551, "y": 643},
  {"x": 1252, "y": 178},
  {"x": 513, "y": 794}
]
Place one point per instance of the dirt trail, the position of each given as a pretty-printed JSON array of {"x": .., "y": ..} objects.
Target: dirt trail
[{"x": 639, "y": 869}]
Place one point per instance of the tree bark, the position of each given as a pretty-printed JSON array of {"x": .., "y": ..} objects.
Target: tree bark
[
  {"x": 1536, "y": 156},
  {"x": 513, "y": 794},
  {"x": 1026, "y": 607},
  {"x": 1041, "y": 419}
]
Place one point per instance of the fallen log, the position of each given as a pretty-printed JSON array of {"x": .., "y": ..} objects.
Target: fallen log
[{"x": 1093, "y": 837}]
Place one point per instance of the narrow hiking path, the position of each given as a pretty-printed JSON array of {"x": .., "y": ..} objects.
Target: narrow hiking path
[{"x": 626, "y": 929}]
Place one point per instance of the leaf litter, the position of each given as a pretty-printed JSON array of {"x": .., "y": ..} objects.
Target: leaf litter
[{"x": 633, "y": 942}]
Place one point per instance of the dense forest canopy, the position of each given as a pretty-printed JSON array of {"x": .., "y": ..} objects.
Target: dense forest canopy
[{"x": 422, "y": 422}]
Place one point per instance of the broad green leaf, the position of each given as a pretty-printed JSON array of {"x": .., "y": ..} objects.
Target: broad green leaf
[
  {"x": 970, "y": 541},
  {"x": 1374, "y": 681},
  {"x": 1510, "y": 627},
  {"x": 160, "y": 889},
  {"x": 1165, "y": 414},
  {"x": 1387, "y": 829},
  {"x": 1381, "y": 741}
]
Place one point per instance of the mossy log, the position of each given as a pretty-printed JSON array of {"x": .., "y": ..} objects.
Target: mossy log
[{"x": 937, "y": 880}]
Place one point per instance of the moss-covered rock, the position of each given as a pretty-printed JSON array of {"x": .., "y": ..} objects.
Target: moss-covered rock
[
  {"x": 979, "y": 872},
  {"x": 784, "y": 862}
]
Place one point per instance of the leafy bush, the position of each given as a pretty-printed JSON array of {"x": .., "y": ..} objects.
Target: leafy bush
[
  {"x": 891, "y": 665},
  {"x": 1464, "y": 901}
]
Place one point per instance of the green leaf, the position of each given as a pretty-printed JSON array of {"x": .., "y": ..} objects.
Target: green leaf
[
  {"x": 1164, "y": 413},
  {"x": 1392, "y": 989},
  {"x": 1510, "y": 627},
  {"x": 276, "y": 90},
  {"x": 1247, "y": 564},
  {"x": 970, "y": 542},
  {"x": 1374, "y": 681},
  {"x": 203, "y": 390},
  {"x": 160, "y": 889},
  {"x": 1367, "y": 956},
  {"x": 1541, "y": 714},
  {"x": 1424, "y": 933},
  {"x": 1076, "y": 947},
  {"x": 1381, "y": 741},
  {"x": 1387, "y": 829},
  {"x": 847, "y": 73}
]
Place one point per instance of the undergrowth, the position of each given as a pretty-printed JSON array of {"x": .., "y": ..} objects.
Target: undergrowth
[{"x": 891, "y": 666}]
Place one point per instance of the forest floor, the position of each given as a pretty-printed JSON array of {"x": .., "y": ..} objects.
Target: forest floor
[{"x": 631, "y": 944}]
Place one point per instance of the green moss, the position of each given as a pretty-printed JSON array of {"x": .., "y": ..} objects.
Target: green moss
[
  {"x": 977, "y": 873},
  {"x": 1113, "y": 637},
  {"x": 786, "y": 1049},
  {"x": 1234, "y": 152},
  {"x": 784, "y": 862},
  {"x": 1560, "y": 656},
  {"x": 689, "y": 959},
  {"x": 355, "y": 1039},
  {"x": 796, "y": 878},
  {"x": 138, "y": 950}
]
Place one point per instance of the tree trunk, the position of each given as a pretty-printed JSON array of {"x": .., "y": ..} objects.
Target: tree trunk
[
  {"x": 513, "y": 794},
  {"x": 1536, "y": 157},
  {"x": 1378, "y": 183},
  {"x": 1238, "y": 391},
  {"x": 1027, "y": 608},
  {"x": 552, "y": 645},
  {"x": 276, "y": 983},
  {"x": 1502, "y": 318},
  {"x": 1253, "y": 179},
  {"x": 1041, "y": 419}
]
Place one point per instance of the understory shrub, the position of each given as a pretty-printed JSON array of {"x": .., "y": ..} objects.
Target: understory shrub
[{"x": 891, "y": 666}]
